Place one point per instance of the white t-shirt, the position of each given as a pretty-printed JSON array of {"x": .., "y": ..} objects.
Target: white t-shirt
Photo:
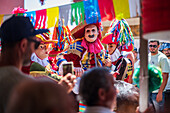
[
  {"x": 168, "y": 83},
  {"x": 160, "y": 60}
]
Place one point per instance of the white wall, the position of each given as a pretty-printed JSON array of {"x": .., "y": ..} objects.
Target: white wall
[{"x": 32, "y": 5}]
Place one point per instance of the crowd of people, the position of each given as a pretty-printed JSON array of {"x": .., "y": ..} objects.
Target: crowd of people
[{"x": 102, "y": 80}]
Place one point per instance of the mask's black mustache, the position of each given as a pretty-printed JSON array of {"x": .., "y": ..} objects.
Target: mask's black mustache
[{"x": 91, "y": 36}]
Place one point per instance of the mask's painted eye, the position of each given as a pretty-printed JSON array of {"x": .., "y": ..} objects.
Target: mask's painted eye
[
  {"x": 93, "y": 30},
  {"x": 88, "y": 31}
]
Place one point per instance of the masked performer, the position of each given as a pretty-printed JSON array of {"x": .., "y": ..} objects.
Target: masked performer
[
  {"x": 86, "y": 51},
  {"x": 119, "y": 40}
]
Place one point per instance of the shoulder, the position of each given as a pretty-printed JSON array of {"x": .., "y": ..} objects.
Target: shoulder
[
  {"x": 76, "y": 43},
  {"x": 162, "y": 56},
  {"x": 130, "y": 56},
  {"x": 13, "y": 73},
  {"x": 149, "y": 55},
  {"x": 76, "y": 46}
]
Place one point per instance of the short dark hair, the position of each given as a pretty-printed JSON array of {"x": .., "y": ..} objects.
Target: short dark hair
[
  {"x": 91, "y": 82},
  {"x": 127, "y": 96},
  {"x": 154, "y": 41}
]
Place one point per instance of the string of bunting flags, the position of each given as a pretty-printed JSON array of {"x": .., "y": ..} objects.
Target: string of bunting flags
[
  {"x": 75, "y": 12},
  {"x": 61, "y": 16}
]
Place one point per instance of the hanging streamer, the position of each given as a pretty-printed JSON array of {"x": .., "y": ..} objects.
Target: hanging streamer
[
  {"x": 32, "y": 16},
  {"x": 77, "y": 13},
  {"x": 41, "y": 16},
  {"x": 1, "y": 19},
  {"x": 106, "y": 9},
  {"x": 92, "y": 13},
  {"x": 65, "y": 13},
  {"x": 121, "y": 7},
  {"x": 52, "y": 16}
]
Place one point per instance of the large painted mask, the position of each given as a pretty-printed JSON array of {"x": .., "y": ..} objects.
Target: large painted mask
[
  {"x": 91, "y": 33},
  {"x": 41, "y": 51}
]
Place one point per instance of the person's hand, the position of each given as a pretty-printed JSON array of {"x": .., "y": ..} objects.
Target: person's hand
[
  {"x": 68, "y": 81},
  {"x": 108, "y": 62},
  {"x": 115, "y": 73},
  {"x": 78, "y": 71},
  {"x": 159, "y": 97}
]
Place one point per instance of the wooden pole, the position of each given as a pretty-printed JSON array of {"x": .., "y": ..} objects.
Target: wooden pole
[{"x": 144, "y": 91}]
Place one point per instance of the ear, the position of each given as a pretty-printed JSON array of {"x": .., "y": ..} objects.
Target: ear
[
  {"x": 23, "y": 44},
  {"x": 102, "y": 94}
]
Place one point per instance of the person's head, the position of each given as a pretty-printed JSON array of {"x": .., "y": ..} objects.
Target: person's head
[
  {"x": 97, "y": 88},
  {"x": 111, "y": 48},
  {"x": 127, "y": 97},
  {"x": 91, "y": 33},
  {"x": 166, "y": 51},
  {"x": 18, "y": 35},
  {"x": 39, "y": 96},
  {"x": 153, "y": 46},
  {"x": 165, "y": 48},
  {"x": 41, "y": 51},
  {"x": 135, "y": 52}
]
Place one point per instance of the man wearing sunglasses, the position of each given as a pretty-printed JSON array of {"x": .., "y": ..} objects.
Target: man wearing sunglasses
[
  {"x": 18, "y": 39},
  {"x": 160, "y": 60},
  {"x": 18, "y": 42}
]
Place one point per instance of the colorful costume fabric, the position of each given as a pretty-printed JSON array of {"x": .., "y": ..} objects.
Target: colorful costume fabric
[
  {"x": 116, "y": 64},
  {"x": 86, "y": 51},
  {"x": 82, "y": 58},
  {"x": 43, "y": 62}
]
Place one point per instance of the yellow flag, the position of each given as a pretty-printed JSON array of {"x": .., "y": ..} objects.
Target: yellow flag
[
  {"x": 52, "y": 16},
  {"x": 1, "y": 19},
  {"x": 121, "y": 7}
]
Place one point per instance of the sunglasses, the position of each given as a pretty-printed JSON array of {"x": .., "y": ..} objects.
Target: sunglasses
[
  {"x": 153, "y": 46},
  {"x": 37, "y": 43}
]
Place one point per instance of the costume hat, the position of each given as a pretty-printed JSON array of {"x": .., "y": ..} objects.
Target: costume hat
[
  {"x": 120, "y": 34},
  {"x": 18, "y": 27},
  {"x": 45, "y": 38},
  {"x": 92, "y": 17},
  {"x": 164, "y": 46}
]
